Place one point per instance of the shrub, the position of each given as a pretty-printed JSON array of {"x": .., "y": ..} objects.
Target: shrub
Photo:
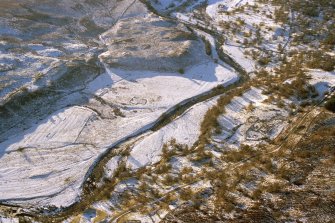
[
  {"x": 320, "y": 60},
  {"x": 172, "y": 5},
  {"x": 245, "y": 42},
  {"x": 264, "y": 61},
  {"x": 310, "y": 11},
  {"x": 186, "y": 170},
  {"x": 118, "y": 112},
  {"x": 274, "y": 187},
  {"x": 163, "y": 168},
  {"x": 330, "y": 104},
  {"x": 330, "y": 39},
  {"x": 186, "y": 194},
  {"x": 170, "y": 180},
  {"x": 38, "y": 76},
  {"x": 250, "y": 107},
  {"x": 208, "y": 46},
  {"x": 181, "y": 70}
]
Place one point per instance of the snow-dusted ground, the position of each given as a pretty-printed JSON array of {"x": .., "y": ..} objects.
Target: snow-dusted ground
[
  {"x": 20, "y": 69},
  {"x": 8, "y": 220},
  {"x": 60, "y": 129},
  {"x": 144, "y": 95},
  {"x": 211, "y": 41},
  {"x": 44, "y": 160},
  {"x": 322, "y": 80},
  {"x": 215, "y": 6},
  {"x": 235, "y": 52},
  {"x": 34, "y": 40},
  {"x": 147, "y": 150},
  {"x": 163, "y": 5},
  {"x": 185, "y": 130},
  {"x": 248, "y": 120},
  {"x": 248, "y": 21},
  {"x": 111, "y": 166},
  {"x": 46, "y": 164}
]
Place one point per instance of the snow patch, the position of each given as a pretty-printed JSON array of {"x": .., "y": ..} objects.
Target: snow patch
[
  {"x": 185, "y": 129},
  {"x": 322, "y": 80},
  {"x": 216, "y": 6},
  {"x": 252, "y": 125}
]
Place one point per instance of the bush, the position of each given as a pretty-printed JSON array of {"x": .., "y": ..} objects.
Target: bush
[
  {"x": 330, "y": 40},
  {"x": 208, "y": 46},
  {"x": 181, "y": 70},
  {"x": 264, "y": 61},
  {"x": 163, "y": 168},
  {"x": 330, "y": 105},
  {"x": 118, "y": 112},
  {"x": 170, "y": 180},
  {"x": 186, "y": 194},
  {"x": 320, "y": 60},
  {"x": 311, "y": 11}
]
